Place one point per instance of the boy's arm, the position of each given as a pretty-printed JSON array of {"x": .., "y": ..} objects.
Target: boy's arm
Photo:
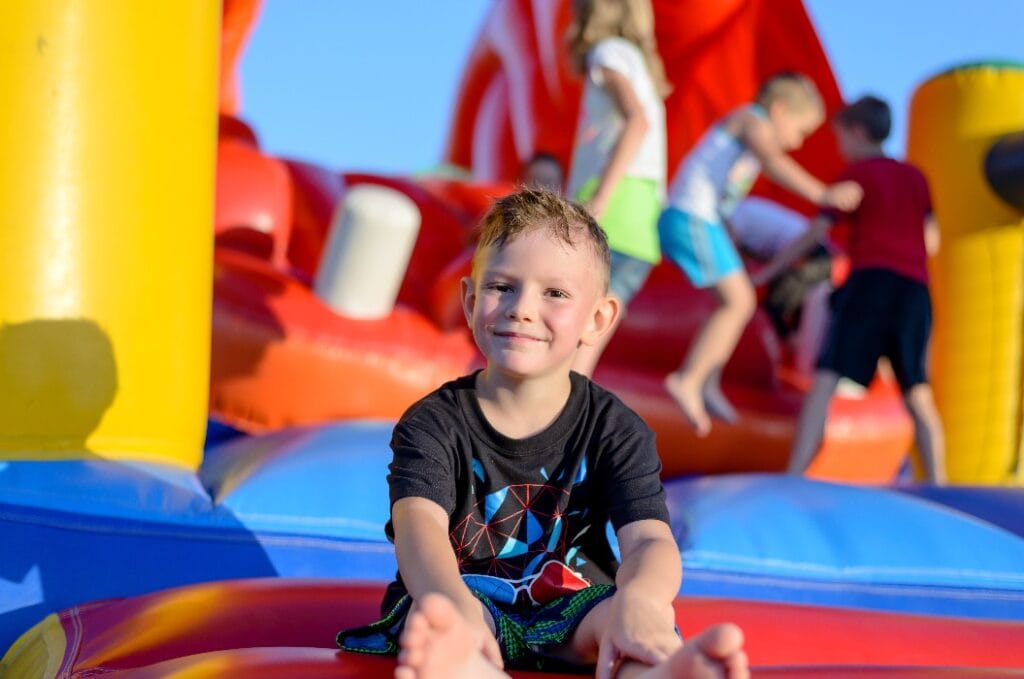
[
  {"x": 427, "y": 563},
  {"x": 641, "y": 621},
  {"x": 780, "y": 167},
  {"x": 932, "y": 239},
  {"x": 635, "y": 126},
  {"x": 793, "y": 251},
  {"x": 650, "y": 560}
]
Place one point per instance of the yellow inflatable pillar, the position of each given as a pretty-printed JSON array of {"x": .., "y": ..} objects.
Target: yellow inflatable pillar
[
  {"x": 108, "y": 131},
  {"x": 978, "y": 277}
]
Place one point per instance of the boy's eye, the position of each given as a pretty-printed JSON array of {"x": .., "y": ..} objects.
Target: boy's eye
[
  {"x": 562, "y": 294},
  {"x": 498, "y": 286}
]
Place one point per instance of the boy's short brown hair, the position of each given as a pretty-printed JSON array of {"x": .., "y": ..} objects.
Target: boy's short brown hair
[
  {"x": 531, "y": 208},
  {"x": 869, "y": 112},
  {"x": 795, "y": 90}
]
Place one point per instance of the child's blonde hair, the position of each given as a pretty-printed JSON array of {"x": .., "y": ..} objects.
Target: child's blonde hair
[
  {"x": 633, "y": 20},
  {"x": 795, "y": 90},
  {"x": 529, "y": 209}
]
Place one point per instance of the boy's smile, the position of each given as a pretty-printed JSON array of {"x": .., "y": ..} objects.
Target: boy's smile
[{"x": 531, "y": 304}]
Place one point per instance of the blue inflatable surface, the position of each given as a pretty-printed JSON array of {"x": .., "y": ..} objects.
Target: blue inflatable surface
[
  {"x": 303, "y": 503},
  {"x": 1003, "y": 507},
  {"x": 789, "y": 539},
  {"x": 313, "y": 503}
]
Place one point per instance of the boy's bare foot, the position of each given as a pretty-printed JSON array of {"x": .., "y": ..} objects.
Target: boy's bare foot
[
  {"x": 688, "y": 397},
  {"x": 717, "y": 404},
  {"x": 438, "y": 643},
  {"x": 715, "y": 652}
]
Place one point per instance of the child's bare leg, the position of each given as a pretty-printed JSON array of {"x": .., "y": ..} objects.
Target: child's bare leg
[
  {"x": 712, "y": 347},
  {"x": 715, "y": 652},
  {"x": 439, "y": 643},
  {"x": 811, "y": 332},
  {"x": 715, "y": 401},
  {"x": 810, "y": 425},
  {"x": 928, "y": 432}
]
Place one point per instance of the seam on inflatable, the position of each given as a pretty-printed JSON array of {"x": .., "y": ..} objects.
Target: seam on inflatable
[
  {"x": 710, "y": 558},
  {"x": 971, "y": 594},
  {"x": 223, "y": 534},
  {"x": 71, "y": 656}
]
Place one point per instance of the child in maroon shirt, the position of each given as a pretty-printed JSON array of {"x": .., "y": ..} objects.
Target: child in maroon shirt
[{"x": 884, "y": 308}]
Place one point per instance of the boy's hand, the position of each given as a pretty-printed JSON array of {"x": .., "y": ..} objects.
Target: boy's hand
[
  {"x": 488, "y": 644},
  {"x": 638, "y": 628},
  {"x": 489, "y": 647},
  {"x": 845, "y": 196}
]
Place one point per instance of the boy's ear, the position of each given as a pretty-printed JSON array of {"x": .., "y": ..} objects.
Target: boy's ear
[
  {"x": 468, "y": 297},
  {"x": 605, "y": 316}
]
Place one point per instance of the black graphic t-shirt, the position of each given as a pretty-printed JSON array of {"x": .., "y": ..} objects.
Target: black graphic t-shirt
[{"x": 528, "y": 516}]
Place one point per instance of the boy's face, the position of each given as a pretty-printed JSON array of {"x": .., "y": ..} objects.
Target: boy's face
[
  {"x": 792, "y": 127},
  {"x": 533, "y": 302},
  {"x": 850, "y": 139}
]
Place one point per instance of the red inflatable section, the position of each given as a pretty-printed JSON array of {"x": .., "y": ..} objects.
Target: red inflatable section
[
  {"x": 519, "y": 93},
  {"x": 281, "y": 357},
  {"x": 280, "y": 627},
  {"x": 237, "y": 20}
]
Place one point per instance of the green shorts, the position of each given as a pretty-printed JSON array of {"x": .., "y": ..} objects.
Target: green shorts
[
  {"x": 526, "y": 636},
  {"x": 631, "y": 217}
]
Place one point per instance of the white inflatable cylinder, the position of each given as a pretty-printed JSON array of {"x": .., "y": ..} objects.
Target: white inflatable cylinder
[{"x": 363, "y": 263}]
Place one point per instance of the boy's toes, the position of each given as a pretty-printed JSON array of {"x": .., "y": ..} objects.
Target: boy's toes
[{"x": 720, "y": 642}]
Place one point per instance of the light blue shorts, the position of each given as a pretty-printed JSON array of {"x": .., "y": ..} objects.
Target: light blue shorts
[
  {"x": 627, "y": 276},
  {"x": 703, "y": 250}
]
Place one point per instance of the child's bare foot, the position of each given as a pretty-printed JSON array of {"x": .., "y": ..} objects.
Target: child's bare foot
[
  {"x": 687, "y": 395},
  {"x": 717, "y": 404},
  {"x": 439, "y": 643},
  {"x": 715, "y": 652}
]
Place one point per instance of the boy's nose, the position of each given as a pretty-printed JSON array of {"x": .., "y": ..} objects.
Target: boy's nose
[{"x": 520, "y": 308}]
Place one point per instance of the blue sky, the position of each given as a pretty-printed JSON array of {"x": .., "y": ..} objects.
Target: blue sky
[{"x": 359, "y": 85}]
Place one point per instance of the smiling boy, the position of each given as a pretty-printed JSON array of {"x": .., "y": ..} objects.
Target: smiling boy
[{"x": 503, "y": 482}]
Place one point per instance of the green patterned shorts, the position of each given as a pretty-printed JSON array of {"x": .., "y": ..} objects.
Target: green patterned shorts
[{"x": 526, "y": 636}]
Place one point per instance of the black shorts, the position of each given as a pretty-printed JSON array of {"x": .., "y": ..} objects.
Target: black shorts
[{"x": 879, "y": 313}]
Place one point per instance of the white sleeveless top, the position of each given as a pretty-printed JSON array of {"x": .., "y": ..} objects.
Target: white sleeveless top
[
  {"x": 600, "y": 123},
  {"x": 715, "y": 175}
]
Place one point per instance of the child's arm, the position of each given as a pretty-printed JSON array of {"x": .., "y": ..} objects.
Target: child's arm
[
  {"x": 932, "y": 239},
  {"x": 780, "y": 167},
  {"x": 641, "y": 622},
  {"x": 427, "y": 563},
  {"x": 816, "y": 230},
  {"x": 635, "y": 126}
]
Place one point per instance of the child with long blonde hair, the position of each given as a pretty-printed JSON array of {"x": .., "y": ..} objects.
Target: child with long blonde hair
[{"x": 618, "y": 163}]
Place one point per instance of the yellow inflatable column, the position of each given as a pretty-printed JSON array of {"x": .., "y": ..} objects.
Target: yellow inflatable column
[
  {"x": 108, "y": 133},
  {"x": 978, "y": 277}
]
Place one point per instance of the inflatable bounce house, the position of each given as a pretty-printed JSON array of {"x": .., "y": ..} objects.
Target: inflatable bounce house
[{"x": 129, "y": 547}]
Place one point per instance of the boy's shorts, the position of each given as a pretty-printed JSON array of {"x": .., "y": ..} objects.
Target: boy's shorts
[
  {"x": 526, "y": 636},
  {"x": 879, "y": 313},
  {"x": 702, "y": 249},
  {"x": 784, "y": 300},
  {"x": 627, "y": 276}
]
